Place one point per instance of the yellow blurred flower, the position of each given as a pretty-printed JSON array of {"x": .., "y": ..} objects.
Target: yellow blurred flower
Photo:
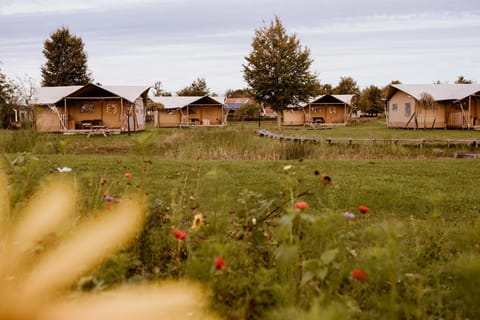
[
  {"x": 197, "y": 221},
  {"x": 34, "y": 286}
]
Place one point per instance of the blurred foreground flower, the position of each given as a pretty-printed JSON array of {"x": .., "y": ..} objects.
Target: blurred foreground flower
[
  {"x": 363, "y": 209},
  {"x": 359, "y": 275},
  {"x": 179, "y": 234},
  {"x": 219, "y": 263},
  {"x": 300, "y": 205},
  {"x": 36, "y": 286}
]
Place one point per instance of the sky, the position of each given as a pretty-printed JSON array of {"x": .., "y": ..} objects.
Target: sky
[{"x": 140, "y": 42}]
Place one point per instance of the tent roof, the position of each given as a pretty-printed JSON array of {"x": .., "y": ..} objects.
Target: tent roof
[
  {"x": 343, "y": 98},
  {"x": 178, "y": 102},
  {"x": 439, "y": 92},
  {"x": 51, "y": 95}
]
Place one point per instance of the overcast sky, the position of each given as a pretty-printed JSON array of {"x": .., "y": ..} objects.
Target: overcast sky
[{"x": 139, "y": 42}]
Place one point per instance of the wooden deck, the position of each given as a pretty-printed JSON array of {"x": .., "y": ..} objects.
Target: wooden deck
[{"x": 420, "y": 141}]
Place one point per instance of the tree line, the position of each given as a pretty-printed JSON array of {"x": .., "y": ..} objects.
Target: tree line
[{"x": 277, "y": 72}]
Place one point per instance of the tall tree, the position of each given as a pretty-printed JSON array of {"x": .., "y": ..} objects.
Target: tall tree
[
  {"x": 278, "y": 69},
  {"x": 370, "y": 100},
  {"x": 197, "y": 88},
  {"x": 6, "y": 106},
  {"x": 461, "y": 79},
  {"x": 347, "y": 86},
  {"x": 66, "y": 60}
]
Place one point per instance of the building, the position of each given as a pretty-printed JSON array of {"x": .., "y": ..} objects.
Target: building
[
  {"x": 190, "y": 111},
  {"x": 332, "y": 109},
  {"x": 85, "y": 108},
  {"x": 453, "y": 106}
]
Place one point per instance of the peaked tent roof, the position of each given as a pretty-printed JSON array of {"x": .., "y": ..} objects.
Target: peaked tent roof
[
  {"x": 51, "y": 95},
  {"x": 439, "y": 92},
  {"x": 178, "y": 102},
  {"x": 344, "y": 98},
  {"x": 130, "y": 93}
]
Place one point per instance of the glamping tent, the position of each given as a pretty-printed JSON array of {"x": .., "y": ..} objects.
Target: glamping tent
[
  {"x": 190, "y": 111},
  {"x": 83, "y": 108},
  {"x": 433, "y": 105},
  {"x": 332, "y": 109}
]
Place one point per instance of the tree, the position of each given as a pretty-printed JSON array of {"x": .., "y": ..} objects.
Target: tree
[
  {"x": 347, "y": 86},
  {"x": 197, "y": 88},
  {"x": 427, "y": 102},
  {"x": 239, "y": 93},
  {"x": 461, "y": 79},
  {"x": 6, "y": 97},
  {"x": 66, "y": 60},
  {"x": 158, "y": 90},
  {"x": 370, "y": 100},
  {"x": 277, "y": 69},
  {"x": 326, "y": 88},
  {"x": 249, "y": 110}
]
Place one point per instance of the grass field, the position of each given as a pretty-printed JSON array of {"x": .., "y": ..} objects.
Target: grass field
[{"x": 413, "y": 255}]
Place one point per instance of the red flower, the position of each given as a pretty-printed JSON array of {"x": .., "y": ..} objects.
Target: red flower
[
  {"x": 359, "y": 274},
  {"x": 301, "y": 205},
  {"x": 219, "y": 263},
  {"x": 363, "y": 209},
  {"x": 179, "y": 234},
  {"x": 128, "y": 175}
]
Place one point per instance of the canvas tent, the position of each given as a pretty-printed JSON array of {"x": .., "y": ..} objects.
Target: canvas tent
[
  {"x": 332, "y": 109},
  {"x": 455, "y": 106},
  {"x": 190, "y": 111},
  {"x": 77, "y": 108}
]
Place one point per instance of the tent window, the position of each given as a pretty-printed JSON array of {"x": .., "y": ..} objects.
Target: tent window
[{"x": 408, "y": 109}]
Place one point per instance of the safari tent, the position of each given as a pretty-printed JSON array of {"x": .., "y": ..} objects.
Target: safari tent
[
  {"x": 190, "y": 111},
  {"x": 451, "y": 106},
  {"x": 71, "y": 109},
  {"x": 332, "y": 109}
]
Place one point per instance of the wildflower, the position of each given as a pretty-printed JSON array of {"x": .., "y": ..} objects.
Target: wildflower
[
  {"x": 109, "y": 198},
  {"x": 31, "y": 287},
  {"x": 266, "y": 235},
  {"x": 363, "y": 209},
  {"x": 301, "y": 205},
  {"x": 359, "y": 274},
  {"x": 197, "y": 221},
  {"x": 348, "y": 215},
  {"x": 159, "y": 202},
  {"x": 128, "y": 175},
  {"x": 64, "y": 169},
  {"x": 179, "y": 234},
  {"x": 287, "y": 167},
  {"x": 254, "y": 221},
  {"x": 326, "y": 180},
  {"x": 219, "y": 263}
]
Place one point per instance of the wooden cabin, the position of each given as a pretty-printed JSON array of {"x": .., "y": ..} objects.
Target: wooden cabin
[
  {"x": 190, "y": 111},
  {"x": 454, "y": 106},
  {"x": 331, "y": 109},
  {"x": 71, "y": 109}
]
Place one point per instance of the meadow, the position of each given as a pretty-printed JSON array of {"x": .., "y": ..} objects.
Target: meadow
[{"x": 279, "y": 229}]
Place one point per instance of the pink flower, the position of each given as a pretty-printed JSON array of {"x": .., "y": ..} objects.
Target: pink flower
[
  {"x": 359, "y": 274},
  {"x": 348, "y": 215},
  {"x": 219, "y": 263},
  {"x": 301, "y": 205},
  {"x": 179, "y": 234},
  {"x": 363, "y": 209},
  {"x": 128, "y": 175}
]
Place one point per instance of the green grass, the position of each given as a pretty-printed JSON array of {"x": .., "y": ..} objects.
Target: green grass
[{"x": 419, "y": 243}]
